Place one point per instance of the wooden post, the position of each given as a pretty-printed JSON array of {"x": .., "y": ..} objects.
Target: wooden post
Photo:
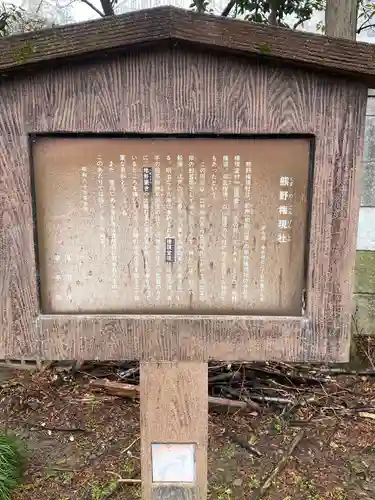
[{"x": 174, "y": 429}]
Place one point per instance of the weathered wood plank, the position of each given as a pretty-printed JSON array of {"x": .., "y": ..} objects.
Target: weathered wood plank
[
  {"x": 174, "y": 409},
  {"x": 346, "y": 159},
  {"x": 175, "y": 337},
  {"x": 174, "y": 493}
]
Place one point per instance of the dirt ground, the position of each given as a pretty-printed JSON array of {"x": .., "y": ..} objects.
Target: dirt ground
[{"x": 80, "y": 442}]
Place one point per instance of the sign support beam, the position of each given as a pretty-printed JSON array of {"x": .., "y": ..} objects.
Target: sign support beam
[{"x": 174, "y": 430}]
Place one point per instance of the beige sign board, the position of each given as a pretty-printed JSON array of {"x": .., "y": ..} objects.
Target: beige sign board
[{"x": 188, "y": 225}]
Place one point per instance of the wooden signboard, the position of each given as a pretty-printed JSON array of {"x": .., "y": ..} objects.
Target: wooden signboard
[
  {"x": 188, "y": 225},
  {"x": 186, "y": 204}
]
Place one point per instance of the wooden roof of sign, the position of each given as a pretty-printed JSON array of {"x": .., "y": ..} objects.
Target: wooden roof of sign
[{"x": 180, "y": 27}]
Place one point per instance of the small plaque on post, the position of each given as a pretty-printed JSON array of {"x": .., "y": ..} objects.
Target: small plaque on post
[{"x": 173, "y": 463}]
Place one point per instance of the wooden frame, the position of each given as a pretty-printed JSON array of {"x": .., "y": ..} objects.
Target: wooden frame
[
  {"x": 140, "y": 93},
  {"x": 245, "y": 139}
]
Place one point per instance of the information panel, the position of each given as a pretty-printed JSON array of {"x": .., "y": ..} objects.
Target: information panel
[{"x": 187, "y": 225}]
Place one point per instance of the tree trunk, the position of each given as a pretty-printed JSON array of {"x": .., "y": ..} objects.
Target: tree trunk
[
  {"x": 274, "y": 7},
  {"x": 341, "y": 18},
  {"x": 107, "y": 7},
  {"x": 200, "y": 6}
]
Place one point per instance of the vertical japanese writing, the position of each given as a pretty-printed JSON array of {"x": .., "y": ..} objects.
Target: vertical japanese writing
[
  {"x": 84, "y": 191},
  {"x": 202, "y": 219},
  {"x": 214, "y": 177},
  {"x": 180, "y": 228},
  {"x": 284, "y": 222},
  {"x": 100, "y": 185},
  {"x": 147, "y": 234},
  {"x": 157, "y": 230},
  {"x": 214, "y": 187},
  {"x": 136, "y": 249},
  {"x": 235, "y": 228},
  {"x": 57, "y": 277},
  {"x": 246, "y": 231},
  {"x": 113, "y": 225},
  {"x": 224, "y": 227},
  {"x": 263, "y": 240},
  {"x": 191, "y": 183},
  {"x": 169, "y": 217},
  {"x": 69, "y": 296},
  {"x": 62, "y": 278},
  {"x": 123, "y": 185},
  {"x": 170, "y": 250}
]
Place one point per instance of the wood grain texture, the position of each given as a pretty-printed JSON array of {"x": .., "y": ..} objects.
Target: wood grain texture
[
  {"x": 182, "y": 388},
  {"x": 174, "y": 493},
  {"x": 173, "y": 25},
  {"x": 185, "y": 92},
  {"x": 174, "y": 338},
  {"x": 341, "y": 18}
]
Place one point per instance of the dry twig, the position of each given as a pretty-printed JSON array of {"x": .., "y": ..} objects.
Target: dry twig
[
  {"x": 131, "y": 445},
  {"x": 280, "y": 466},
  {"x": 126, "y": 480},
  {"x": 130, "y": 481},
  {"x": 243, "y": 443},
  {"x": 365, "y": 414}
]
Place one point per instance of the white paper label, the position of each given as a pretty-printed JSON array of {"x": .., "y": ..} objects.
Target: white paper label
[{"x": 173, "y": 463}]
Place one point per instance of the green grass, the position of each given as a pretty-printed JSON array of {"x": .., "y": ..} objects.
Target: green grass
[{"x": 12, "y": 462}]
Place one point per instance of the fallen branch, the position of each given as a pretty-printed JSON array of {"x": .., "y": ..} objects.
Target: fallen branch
[
  {"x": 222, "y": 377},
  {"x": 270, "y": 399},
  {"x": 131, "y": 445},
  {"x": 370, "y": 409},
  {"x": 130, "y": 481},
  {"x": 365, "y": 414},
  {"x": 119, "y": 482},
  {"x": 252, "y": 404},
  {"x": 344, "y": 371},
  {"x": 132, "y": 391},
  {"x": 34, "y": 427},
  {"x": 243, "y": 443},
  {"x": 229, "y": 403},
  {"x": 126, "y": 480},
  {"x": 280, "y": 466},
  {"x": 116, "y": 388},
  {"x": 124, "y": 374}
]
